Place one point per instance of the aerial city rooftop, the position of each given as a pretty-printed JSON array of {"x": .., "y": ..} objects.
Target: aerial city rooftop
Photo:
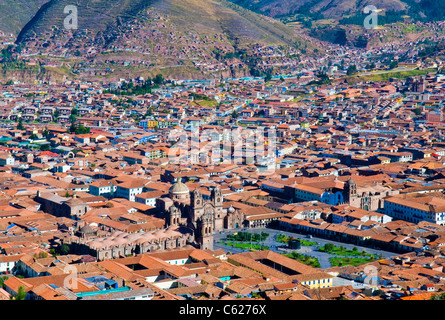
[{"x": 314, "y": 171}]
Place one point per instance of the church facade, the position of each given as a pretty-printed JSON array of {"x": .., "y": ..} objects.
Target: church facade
[
  {"x": 205, "y": 217},
  {"x": 367, "y": 196}
]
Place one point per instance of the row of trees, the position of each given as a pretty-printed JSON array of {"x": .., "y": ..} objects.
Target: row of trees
[
  {"x": 129, "y": 88},
  {"x": 247, "y": 236}
]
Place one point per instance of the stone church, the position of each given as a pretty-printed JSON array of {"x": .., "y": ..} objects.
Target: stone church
[
  {"x": 368, "y": 196},
  {"x": 205, "y": 217}
]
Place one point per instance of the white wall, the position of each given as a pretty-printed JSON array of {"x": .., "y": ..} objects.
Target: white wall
[{"x": 5, "y": 265}]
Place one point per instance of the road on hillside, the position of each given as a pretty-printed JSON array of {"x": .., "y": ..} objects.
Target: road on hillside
[{"x": 399, "y": 69}]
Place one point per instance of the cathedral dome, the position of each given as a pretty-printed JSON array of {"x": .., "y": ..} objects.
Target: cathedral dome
[
  {"x": 86, "y": 229},
  {"x": 179, "y": 188}
]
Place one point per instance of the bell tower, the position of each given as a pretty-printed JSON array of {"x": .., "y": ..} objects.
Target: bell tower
[
  {"x": 219, "y": 212},
  {"x": 350, "y": 190},
  {"x": 196, "y": 199},
  {"x": 175, "y": 216},
  {"x": 206, "y": 232},
  {"x": 216, "y": 197}
]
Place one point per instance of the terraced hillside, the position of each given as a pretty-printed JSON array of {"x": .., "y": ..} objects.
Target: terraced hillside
[
  {"x": 15, "y": 14},
  {"x": 206, "y": 15},
  {"x": 342, "y": 21},
  {"x": 93, "y": 15},
  {"x": 175, "y": 37},
  {"x": 337, "y": 9},
  {"x": 419, "y": 10},
  {"x": 224, "y": 17}
]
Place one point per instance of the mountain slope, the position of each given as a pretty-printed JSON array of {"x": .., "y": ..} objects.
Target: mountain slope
[
  {"x": 14, "y": 14},
  {"x": 211, "y": 15},
  {"x": 210, "y": 37},
  {"x": 339, "y": 9},
  {"x": 225, "y": 17},
  {"x": 342, "y": 21},
  {"x": 93, "y": 15},
  {"x": 272, "y": 8}
]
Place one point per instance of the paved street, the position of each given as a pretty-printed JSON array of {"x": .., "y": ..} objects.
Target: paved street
[{"x": 322, "y": 257}]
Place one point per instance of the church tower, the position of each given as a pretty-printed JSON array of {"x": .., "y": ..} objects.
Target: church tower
[
  {"x": 350, "y": 190},
  {"x": 216, "y": 197},
  {"x": 196, "y": 199},
  {"x": 206, "y": 232},
  {"x": 174, "y": 216},
  {"x": 219, "y": 212}
]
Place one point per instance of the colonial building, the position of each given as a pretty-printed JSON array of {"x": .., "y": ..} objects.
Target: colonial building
[
  {"x": 121, "y": 244},
  {"x": 61, "y": 206},
  {"x": 204, "y": 217},
  {"x": 367, "y": 196},
  {"x": 416, "y": 208}
]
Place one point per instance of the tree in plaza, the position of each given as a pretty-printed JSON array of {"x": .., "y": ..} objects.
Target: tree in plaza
[
  {"x": 329, "y": 247},
  {"x": 81, "y": 129},
  {"x": 42, "y": 254},
  {"x": 77, "y": 129}
]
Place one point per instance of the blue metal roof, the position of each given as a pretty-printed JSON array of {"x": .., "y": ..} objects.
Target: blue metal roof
[{"x": 95, "y": 293}]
